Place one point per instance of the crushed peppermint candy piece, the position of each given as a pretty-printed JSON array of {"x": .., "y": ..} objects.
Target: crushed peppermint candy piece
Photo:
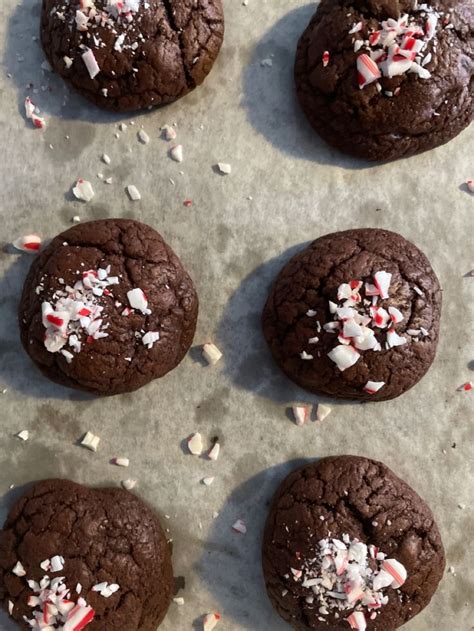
[
  {"x": 57, "y": 563},
  {"x": 83, "y": 190},
  {"x": 357, "y": 621},
  {"x": 344, "y": 356},
  {"x": 169, "y": 133},
  {"x": 208, "y": 480},
  {"x": 306, "y": 356},
  {"x": 470, "y": 185},
  {"x": 23, "y": 435},
  {"x": 31, "y": 113},
  {"x": 195, "y": 444},
  {"x": 90, "y": 441},
  {"x": 224, "y": 168},
  {"x": 397, "y": 571},
  {"x": 176, "y": 153},
  {"x": 133, "y": 193},
  {"x": 393, "y": 339},
  {"x": 11, "y": 606},
  {"x": 128, "y": 485},
  {"x": 213, "y": 453},
  {"x": 150, "y": 338},
  {"x": 121, "y": 462},
  {"x": 19, "y": 570},
  {"x": 367, "y": 70},
  {"x": 91, "y": 63},
  {"x": 322, "y": 412},
  {"x": 382, "y": 282},
  {"x": 106, "y": 159},
  {"x": 326, "y": 58},
  {"x": 143, "y": 137},
  {"x": 371, "y": 387},
  {"x": 466, "y": 387},
  {"x": 210, "y": 621},
  {"x": 178, "y": 600},
  {"x": 240, "y": 527},
  {"x": 30, "y": 243},
  {"x": 211, "y": 353},
  {"x": 138, "y": 300},
  {"x": 105, "y": 589},
  {"x": 302, "y": 414}
]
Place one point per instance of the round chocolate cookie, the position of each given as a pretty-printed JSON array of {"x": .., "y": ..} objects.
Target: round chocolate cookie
[
  {"x": 106, "y": 307},
  {"x": 132, "y": 54},
  {"x": 348, "y": 544},
  {"x": 355, "y": 316},
  {"x": 72, "y": 555},
  {"x": 385, "y": 79}
]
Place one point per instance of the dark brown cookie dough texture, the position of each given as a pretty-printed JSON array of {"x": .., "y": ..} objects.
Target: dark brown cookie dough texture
[
  {"x": 364, "y": 499},
  {"x": 298, "y": 312},
  {"x": 115, "y": 357},
  {"x": 403, "y": 112},
  {"x": 104, "y": 535},
  {"x": 142, "y": 52}
]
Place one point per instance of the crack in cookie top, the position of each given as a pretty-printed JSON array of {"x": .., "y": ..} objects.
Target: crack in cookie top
[{"x": 345, "y": 576}]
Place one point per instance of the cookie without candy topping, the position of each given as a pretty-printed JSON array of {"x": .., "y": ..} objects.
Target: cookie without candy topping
[
  {"x": 150, "y": 52},
  {"x": 104, "y": 536},
  {"x": 107, "y": 307},
  {"x": 351, "y": 499},
  {"x": 303, "y": 332},
  {"x": 415, "y": 104}
]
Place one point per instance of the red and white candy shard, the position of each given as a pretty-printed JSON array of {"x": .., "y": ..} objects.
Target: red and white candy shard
[
  {"x": 382, "y": 282},
  {"x": 395, "y": 315},
  {"x": 323, "y": 412},
  {"x": 367, "y": 70},
  {"x": 19, "y": 570},
  {"x": 326, "y": 58},
  {"x": 240, "y": 527},
  {"x": 357, "y": 621},
  {"x": 393, "y": 339},
  {"x": 91, "y": 63},
  {"x": 371, "y": 387},
  {"x": 466, "y": 387},
  {"x": 397, "y": 571},
  {"x": 150, "y": 338},
  {"x": 344, "y": 356},
  {"x": 83, "y": 190},
  {"x": 470, "y": 185},
  {"x": 301, "y": 414},
  {"x": 195, "y": 444},
  {"x": 214, "y": 452},
  {"x": 138, "y": 300},
  {"x": 210, "y": 621},
  {"x": 30, "y": 112},
  {"x": 30, "y": 243}
]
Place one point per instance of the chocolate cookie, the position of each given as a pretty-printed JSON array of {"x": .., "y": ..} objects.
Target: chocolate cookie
[
  {"x": 348, "y": 544},
  {"x": 132, "y": 54},
  {"x": 355, "y": 316},
  {"x": 385, "y": 79},
  {"x": 72, "y": 555},
  {"x": 107, "y": 307}
]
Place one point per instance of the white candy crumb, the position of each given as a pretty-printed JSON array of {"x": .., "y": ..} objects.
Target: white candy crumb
[
  {"x": 10, "y": 607},
  {"x": 240, "y": 527},
  {"x": 323, "y": 412},
  {"x": 76, "y": 219},
  {"x": 23, "y": 435},
  {"x": 301, "y": 414},
  {"x": 83, "y": 190},
  {"x": 133, "y": 193},
  {"x": 19, "y": 570},
  {"x": 106, "y": 159},
  {"x": 268, "y": 63},
  {"x": 129, "y": 484},
  {"x": 179, "y": 600},
  {"x": 143, "y": 137},
  {"x": 210, "y": 620},
  {"x": 176, "y": 153},
  {"x": 224, "y": 168},
  {"x": 168, "y": 132},
  {"x": 208, "y": 481},
  {"x": 470, "y": 185},
  {"x": 195, "y": 445},
  {"x": 213, "y": 453},
  {"x": 90, "y": 441},
  {"x": 121, "y": 462},
  {"x": 211, "y": 353}
]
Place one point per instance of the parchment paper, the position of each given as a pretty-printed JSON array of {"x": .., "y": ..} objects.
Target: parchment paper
[{"x": 286, "y": 187}]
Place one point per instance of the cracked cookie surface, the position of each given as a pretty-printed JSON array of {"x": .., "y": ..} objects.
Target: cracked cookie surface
[
  {"x": 422, "y": 113},
  {"x": 311, "y": 279},
  {"x": 153, "y": 56},
  {"x": 103, "y": 535},
  {"x": 140, "y": 258},
  {"x": 366, "y": 500}
]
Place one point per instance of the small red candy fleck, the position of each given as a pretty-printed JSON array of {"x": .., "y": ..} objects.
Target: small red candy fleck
[
  {"x": 326, "y": 58},
  {"x": 89, "y": 339},
  {"x": 187, "y": 203}
]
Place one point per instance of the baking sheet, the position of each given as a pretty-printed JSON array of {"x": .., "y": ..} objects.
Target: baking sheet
[{"x": 286, "y": 187}]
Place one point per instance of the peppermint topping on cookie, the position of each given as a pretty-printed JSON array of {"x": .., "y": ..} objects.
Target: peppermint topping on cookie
[
  {"x": 395, "y": 48},
  {"x": 348, "y": 574},
  {"x": 359, "y": 321}
]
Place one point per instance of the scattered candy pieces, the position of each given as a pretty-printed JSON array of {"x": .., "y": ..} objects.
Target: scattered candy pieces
[
  {"x": 210, "y": 620},
  {"x": 195, "y": 444},
  {"x": 344, "y": 356},
  {"x": 121, "y": 462},
  {"x": 240, "y": 527},
  {"x": 176, "y": 153},
  {"x": 326, "y": 58},
  {"x": 169, "y": 133},
  {"x": 367, "y": 70},
  {"x": 466, "y": 387},
  {"x": 91, "y": 63},
  {"x": 211, "y": 353},
  {"x": 224, "y": 168},
  {"x": 371, "y": 387},
  {"x": 470, "y": 185},
  {"x": 323, "y": 412},
  {"x": 30, "y": 111},
  {"x": 30, "y": 243},
  {"x": 150, "y": 338},
  {"x": 302, "y": 414},
  {"x": 83, "y": 190},
  {"x": 213, "y": 453},
  {"x": 23, "y": 435},
  {"x": 143, "y": 137},
  {"x": 133, "y": 193},
  {"x": 138, "y": 300},
  {"x": 128, "y": 485},
  {"x": 19, "y": 570},
  {"x": 90, "y": 441},
  {"x": 106, "y": 159},
  {"x": 179, "y": 600},
  {"x": 105, "y": 589},
  {"x": 357, "y": 621},
  {"x": 208, "y": 481}
]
